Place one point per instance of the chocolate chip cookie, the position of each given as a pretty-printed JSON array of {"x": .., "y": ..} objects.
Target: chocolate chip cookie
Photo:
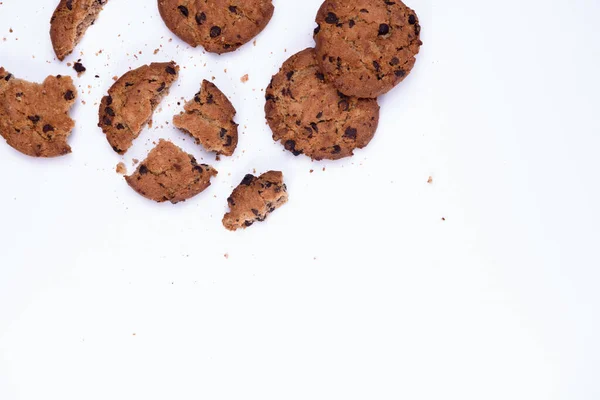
[
  {"x": 366, "y": 47},
  {"x": 254, "y": 199},
  {"x": 34, "y": 118},
  {"x": 69, "y": 23},
  {"x": 310, "y": 116},
  {"x": 131, "y": 101},
  {"x": 208, "y": 118},
  {"x": 170, "y": 174},
  {"x": 220, "y": 26}
]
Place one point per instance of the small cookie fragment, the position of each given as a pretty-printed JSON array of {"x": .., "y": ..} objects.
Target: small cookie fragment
[
  {"x": 121, "y": 168},
  {"x": 34, "y": 118},
  {"x": 208, "y": 118},
  {"x": 170, "y": 174},
  {"x": 220, "y": 26},
  {"x": 131, "y": 101},
  {"x": 69, "y": 22},
  {"x": 366, "y": 47},
  {"x": 308, "y": 115},
  {"x": 254, "y": 199}
]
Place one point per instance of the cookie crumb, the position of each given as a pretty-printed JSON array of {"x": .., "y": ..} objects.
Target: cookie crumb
[
  {"x": 226, "y": 255},
  {"x": 244, "y": 78},
  {"x": 443, "y": 219},
  {"x": 121, "y": 169},
  {"x": 312, "y": 170},
  {"x": 135, "y": 162},
  {"x": 430, "y": 180},
  {"x": 115, "y": 78},
  {"x": 156, "y": 51}
]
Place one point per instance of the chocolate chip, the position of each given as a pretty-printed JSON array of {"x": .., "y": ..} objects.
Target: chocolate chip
[
  {"x": 109, "y": 111},
  {"x": 7, "y": 78},
  {"x": 171, "y": 70},
  {"x": 384, "y": 29},
  {"x": 317, "y": 29},
  {"x": 230, "y": 201},
  {"x": 320, "y": 76},
  {"x": 248, "y": 223},
  {"x": 34, "y": 118},
  {"x": 290, "y": 145},
  {"x": 161, "y": 87},
  {"x": 351, "y": 23},
  {"x": 394, "y": 61},
  {"x": 376, "y": 66},
  {"x": 143, "y": 169},
  {"x": 108, "y": 100},
  {"x": 336, "y": 149},
  {"x": 184, "y": 10},
  {"x": 289, "y": 75},
  {"x": 320, "y": 114},
  {"x": 255, "y": 212},
  {"x": 364, "y": 11},
  {"x": 400, "y": 73},
  {"x": 331, "y": 18},
  {"x": 343, "y": 105},
  {"x": 223, "y": 133},
  {"x": 79, "y": 68},
  {"x": 215, "y": 31},
  {"x": 116, "y": 149},
  {"x": 233, "y": 9},
  {"x": 314, "y": 126},
  {"x": 209, "y": 99},
  {"x": 127, "y": 84},
  {"x": 247, "y": 180},
  {"x": 69, "y": 95},
  {"x": 412, "y": 19},
  {"x": 229, "y": 141},
  {"x": 70, "y": 4},
  {"x": 200, "y": 18},
  {"x": 350, "y": 133},
  {"x": 107, "y": 121},
  {"x": 48, "y": 128}
]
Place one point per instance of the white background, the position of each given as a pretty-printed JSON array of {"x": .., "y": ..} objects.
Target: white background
[{"x": 356, "y": 289}]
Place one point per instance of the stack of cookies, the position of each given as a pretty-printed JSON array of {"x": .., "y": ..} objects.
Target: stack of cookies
[{"x": 322, "y": 103}]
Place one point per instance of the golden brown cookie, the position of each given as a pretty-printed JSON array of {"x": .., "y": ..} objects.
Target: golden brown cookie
[
  {"x": 34, "y": 118},
  {"x": 310, "y": 116},
  {"x": 170, "y": 174},
  {"x": 131, "y": 101},
  {"x": 220, "y": 26},
  {"x": 208, "y": 118},
  {"x": 366, "y": 47},
  {"x": 254, "y": 199},
  {"x": 69, "y": 23}
]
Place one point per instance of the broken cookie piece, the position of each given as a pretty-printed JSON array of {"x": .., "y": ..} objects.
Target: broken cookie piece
[
  {"x": 131, "y": 101},
  {"x": 208, "y": 118},
  {"x": 170, "y": 174},
  {"x": 34, "y": 118},
  {"x": 254, "y": 199},
  {"x": 70, "y": 21}
]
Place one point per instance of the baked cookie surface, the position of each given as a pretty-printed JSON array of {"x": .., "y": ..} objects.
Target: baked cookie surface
[
  {"x": 308, "y": 115},
  {"x": 170, "y": 174},
  {"x": 220, "y": 26},
  {"x": 208, "y": 118},
  {"x": 70, "y": 21},
  {"x": 254, "y": 199},
  {"x": 34, "y": 118},
  {"x": 366, "y": 47},
  {"x": 131, "y": 101}
]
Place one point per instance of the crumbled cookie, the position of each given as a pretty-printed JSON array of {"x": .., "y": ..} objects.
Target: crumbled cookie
[
  {"x": 366, "y": 47},
  {"x": 310, "y": 116},
  {"x": 70, "y": 21},
  {"x": 131, "y": 101},
  {"x": 254, "y": 199},
  {"x": 220, "y": 26},
  {"x": 170, "y": 174},
  {"x": 208, "y": 118},
  {"x": 34, "y": 118}
]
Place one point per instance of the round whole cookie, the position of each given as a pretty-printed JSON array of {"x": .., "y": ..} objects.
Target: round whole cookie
[
  {"x": 220, "y": 26},
  {"x": 366, "y": 47},
  {"x": 310, "y": 116}
]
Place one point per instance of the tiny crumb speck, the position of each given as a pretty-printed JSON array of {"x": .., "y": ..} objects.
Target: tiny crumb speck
[
  {"x": 244, "y": 78},
  {"x": 226, "y": 255},
  {"x": 430, "y": 180}
]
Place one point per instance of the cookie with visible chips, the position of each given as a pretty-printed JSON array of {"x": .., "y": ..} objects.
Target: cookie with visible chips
[
  {"x": 308, "y": 115},
  {"x": 220, "y": 26},
  {"x": 366, "y": 47},
  {"x": 131, "y": 101},
  {"x": 254, "y": 199},
  {"x": 34, "y": 118},
  {"x": 208, "y": 118},
  {"x": 70, "y": 20},
  {"x": 170, "y": 174}
]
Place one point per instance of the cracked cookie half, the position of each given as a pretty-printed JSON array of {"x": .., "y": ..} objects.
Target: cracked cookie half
[
  {"x": 170, "y": 174},
  {"x": 308, "y": 115},
  {"x": 131, "y": 101},
  {"x": 34, "y": 118},
  {"x": 254, "y": 199},
  {"x": 208, "y": 118},
  {"x": 70, "y": 21}
]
